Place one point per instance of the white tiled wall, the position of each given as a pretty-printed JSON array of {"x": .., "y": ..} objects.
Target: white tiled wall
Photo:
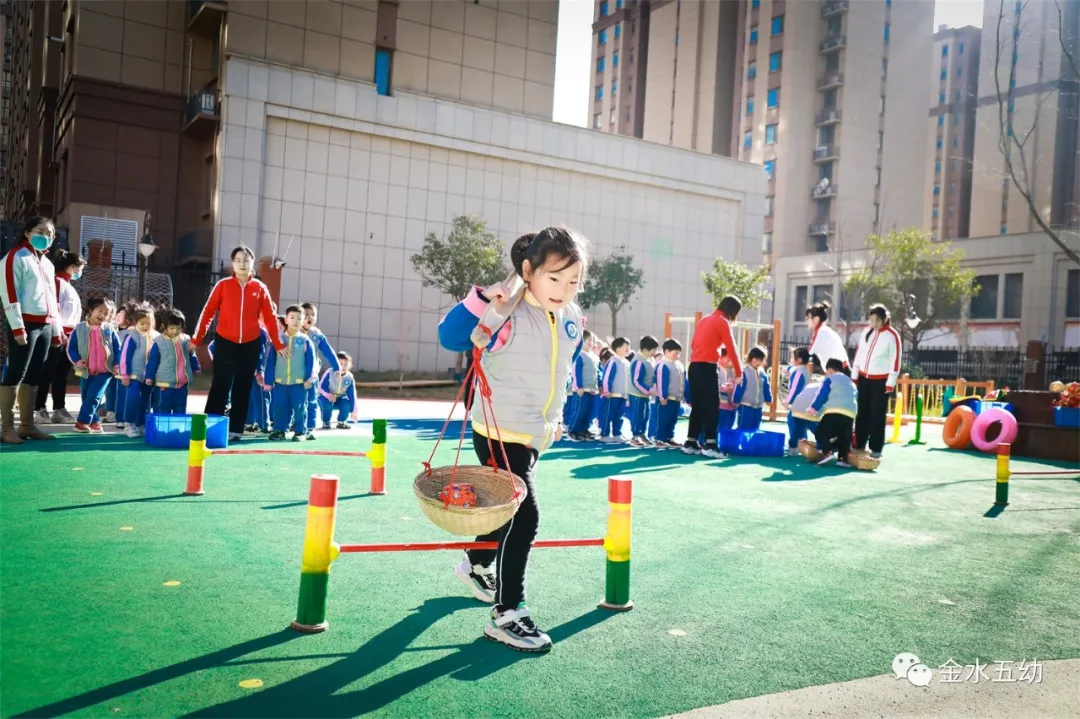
[{"x": 355, "y": 181}]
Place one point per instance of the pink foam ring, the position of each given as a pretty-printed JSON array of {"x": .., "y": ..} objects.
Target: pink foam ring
[{"x": 982, "y": 424}]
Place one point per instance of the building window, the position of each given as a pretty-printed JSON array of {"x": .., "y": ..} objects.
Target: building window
[
  {"x": 825, "y": 171},
  {"x": 828, "y": 100},
  {"x": 770, "y": 134},
  {"x": 940, "y": 120},
  {"x": 937, "y": 168},
  {"x": 775, "y": 61},
  {"x": 600, "y": 64},
  {"x": 952, "y": 188},
  {"x": 611, "y": 118},
  {"x": 603, "y": 9},
  {"x": 880, "y": 140},
  {"x": 960, "y": 50},
  {"x": 618, "y": 30},
  {"x": 1004, "y": 230},
  {"x": 800, "y": 304},
  {"x": 751, "y": 70},
  {"x": 954, "y": 140},
  {"x": 750, "y": 105},
  {"x": 770, "y": 168},
  {"x": 603, "y": 38},
  {"x": 958, "y": 96},
  {"x": 941, "y": 98},
  {"x": 1072, "y": 294},
  {"x": 886, "y": 33},
  {"x": 937, "y": 190},
  {"x": 618, "y": 4},
  {"x": 944, "y": 50},
  {"x": 877, "y": 209},
  {"x": 631, "y": 56},
  {"x": 748, "y": 140},
  {"x": 959, "y": 72},
  {"x": 777, "y": 25},
  {"x": 934, "y": 214},
  {"x": 952, "y": 210},
  {"x": 596, "y": 121},
  {"x": 939, "y": 143},
  {"x": 768, "y": 206},
  {"x": 944, "y": 73},
  {"x": 984, "y": 304},
  {"x": 826, "y": 134},
  {"x": 383, "y": 61},
  {"x": 614, "y": 87},
  {"x": 956, "y": 118},
  {"x": 753, "y": 34},
  {"x": 835, "y": 25},
  {"x": 822, "y": 293},
  {"x": 877, "y": 182},
  {"x": 774, "y": 97},
  {"x": 615, "y": 59},
  {"x": 766, "y": 243},
  {"x": 755, "y": 4},
  {"x": 599, "y": 92}
]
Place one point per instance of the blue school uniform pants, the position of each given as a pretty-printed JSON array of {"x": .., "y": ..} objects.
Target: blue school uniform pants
[
  {"x": 259, "y": 407},
  {"x": 586, "y": 411},
  {"x": 92, "y": 389},
  {"x": 614, "y": 409},
  {"x": 570, "y": 408},
  {"x": 797, "y": 429},
  {"x": 666, "y": 417},
  {"x": 136, "y": 403},
  {"x": 749, "y": 418},
  {"x": 654, "y": 418},
  {"x": 171, "y": 400},
  {"x": 110, "y": 400},
  {"x": 343, "y": 405},
  {"x": 290, "y": 404},
  {"x": 639, "y": 415}
]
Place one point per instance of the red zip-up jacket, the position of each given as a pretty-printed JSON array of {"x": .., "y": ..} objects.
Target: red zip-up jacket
[
  {"x": 712, "y": 333},
  {"x": 238, "y": 308}
]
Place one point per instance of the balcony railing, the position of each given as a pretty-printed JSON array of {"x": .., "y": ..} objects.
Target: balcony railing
[
  {"x": 822, "y": 228},
  {"x": 833, "y": 7},
  {"x": 202, "y": 111},
  {"x": 830, "y": 79},
  {"x": 204, "y": 16},
  {"x": 819, "y": 192},
  {"x": 825, "y": 152},
  {"x": 828, "y": 116},
  {"x": 833, "y": 42}
]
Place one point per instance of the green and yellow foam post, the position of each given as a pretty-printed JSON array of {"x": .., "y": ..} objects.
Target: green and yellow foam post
[
  {"x": 197, "y": 454},
  {"x": 617, "y": 546},
  {"x": 319, "y": 551},
  {"x": 377, "y": 456},
  {"x": 918, "y": 421},
  {"x": 898, "y": 411},
  {"x": 1001, "y": 496}
]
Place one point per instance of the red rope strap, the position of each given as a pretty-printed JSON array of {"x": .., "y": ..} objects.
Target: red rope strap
[{"x": 475, "y": 377}]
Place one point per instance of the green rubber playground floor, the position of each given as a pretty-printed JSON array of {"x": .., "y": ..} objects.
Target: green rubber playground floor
[{"x": 121, "y": 598}]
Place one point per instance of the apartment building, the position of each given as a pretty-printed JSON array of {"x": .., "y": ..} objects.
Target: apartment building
[
  {"x": 954, "y": 92},
  {"x": 335, "y": 136},
  {"x": 621, "y": 61},
  {"x": 1033, "y": 51},
  {"x": 5, "y": 99}
]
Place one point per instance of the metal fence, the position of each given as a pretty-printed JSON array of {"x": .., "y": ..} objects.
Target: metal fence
[{"x": 1002, "y": 365}]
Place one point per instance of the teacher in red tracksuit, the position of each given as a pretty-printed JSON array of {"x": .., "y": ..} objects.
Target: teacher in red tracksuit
[
  {"x": 238, "y": 303},
  {"x": 712, "y": 333}
]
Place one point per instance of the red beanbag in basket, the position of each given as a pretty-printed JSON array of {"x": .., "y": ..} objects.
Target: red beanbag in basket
[{"x": 458, "y": 494}]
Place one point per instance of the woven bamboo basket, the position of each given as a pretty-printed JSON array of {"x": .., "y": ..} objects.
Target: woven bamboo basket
[
  {"x": 496, "y": 503},
  {"x": 809, "y": 450},
  {"x": 862, "y": 461}
]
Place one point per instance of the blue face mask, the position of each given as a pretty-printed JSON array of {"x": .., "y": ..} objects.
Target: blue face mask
[
  {"x": 40, "y": 242},
  {"x": 76, "y": 276}
]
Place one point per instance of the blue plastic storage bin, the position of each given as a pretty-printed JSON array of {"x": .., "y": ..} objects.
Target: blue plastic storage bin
[
  {"x": 1067, "y": 416},
  {"x": 752, "y": 444},
  {"x": 984, "y": 405},
  {"x": 173, "y": 431}
]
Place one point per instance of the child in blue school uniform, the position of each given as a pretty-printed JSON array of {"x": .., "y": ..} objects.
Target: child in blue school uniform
[
  {"x": 753, "y": 391},
  {"x": 115, "y": 405},
  {"x": 614, "y": 390},
  {"x": 135, "y": 345},
  {"x": 670, "y": 391},
  {"x": 642, "y": 382},
  {"x": 323, "y": 350},
  {"x": 258, "y": 415},
  {"x": 171, "y": 365},
  {"x": 94, "y": 350},
  {"x": 337, "y": 391},
  {"x": 798, "y": 380},
  {"x": 290, "y": 379},
  {"x": 586, "y": 381}
]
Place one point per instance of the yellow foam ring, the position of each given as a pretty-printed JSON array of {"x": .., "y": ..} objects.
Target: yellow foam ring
[
  {"x": 95, "y": 494},
  {"x": 335, "y": 551},
  {"x": 318, "y": 538},
  {"x": 617, "y": 540},
  {"x": 197, "y": 453},
  {"x": 377, "y": 456},
  {"x": 126, "y": 529},
  {"x": 171, "y": 583},
  {"x": 250, "y": 683}
]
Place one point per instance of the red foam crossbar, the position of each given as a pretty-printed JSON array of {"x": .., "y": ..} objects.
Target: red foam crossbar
[
  {"x": 432, "y": 546},
  {"x": 316, "y": 453}
]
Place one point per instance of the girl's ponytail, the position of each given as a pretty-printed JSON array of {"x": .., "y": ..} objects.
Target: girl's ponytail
[{"x": 519, "y": 252}]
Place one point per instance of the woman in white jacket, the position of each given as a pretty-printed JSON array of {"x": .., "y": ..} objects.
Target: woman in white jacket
[
  {"x": 69, "y": 266},
  {"x": 824, "y": 342},
  {"x": 876, "y": 367}
]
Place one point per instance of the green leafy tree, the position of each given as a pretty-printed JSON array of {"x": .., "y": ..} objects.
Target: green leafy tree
[
  {"x": 750, "y": 285},
  {"x": 612, "y": 281},
  {"x": 908, "y": 264},
  {"x": 470, "y": 255}
]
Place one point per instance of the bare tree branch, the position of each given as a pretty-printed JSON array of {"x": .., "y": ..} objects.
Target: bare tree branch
[
  {"x": 1007, "y": 139},
  {"x": 1061, "y": 39}
]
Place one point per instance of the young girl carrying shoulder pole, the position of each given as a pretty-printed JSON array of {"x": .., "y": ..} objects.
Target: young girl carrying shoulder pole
[{"x": 527, "y": 364}]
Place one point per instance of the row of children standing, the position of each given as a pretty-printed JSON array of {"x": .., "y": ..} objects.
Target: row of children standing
[{"x": 608, "y": 383}]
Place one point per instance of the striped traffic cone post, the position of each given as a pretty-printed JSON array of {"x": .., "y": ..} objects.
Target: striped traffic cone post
[
  {"x": 617, "y": 546},
  {"x": 319, "y": 552}
]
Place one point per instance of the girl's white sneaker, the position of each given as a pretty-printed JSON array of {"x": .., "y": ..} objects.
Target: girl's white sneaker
[
  {"x": 479, "y": 579},
  {"x": 515, "y": 629}
]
